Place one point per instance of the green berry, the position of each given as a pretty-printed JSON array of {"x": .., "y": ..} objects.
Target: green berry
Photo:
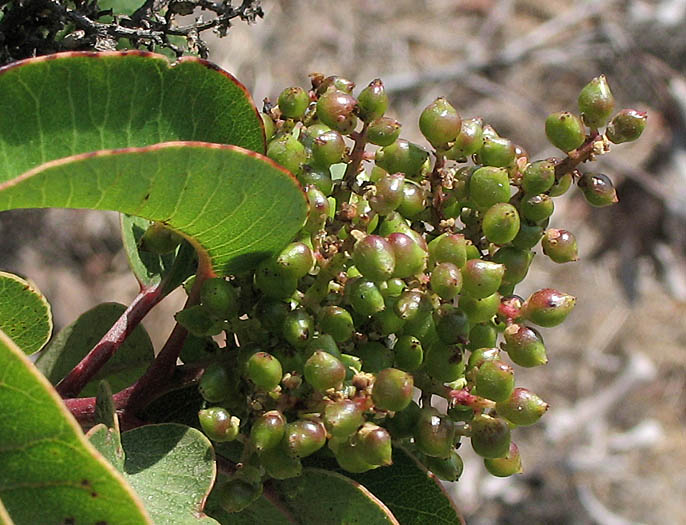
[
  {"x": 522, "y": 407},
  {"x": 452, "y": 324},
  {"x": 501, "y": 223},
  {"x": 524, "y": 345},
  {"x": 335, "y": 109},
  {"x": 264, "y": 370},
  {"x": 538, "y": 208},
  {"x": 410, "y": 304},
  {"x": 199, "y": 321},
  {"x": 507, "y": 466},
  {"x": 392, "y": 389},
  {"x": 489, "y": 185},
  {"x": 393, "y": 287},
  {"x": 375, "y": 356},
  {"x": 324, "y": 371},
  {"x": 482, "y": 335},
  {"x": 497, "y": 151},
  {"x": 328, "y": 148},
  {"x": 384, "y": 131},
  {"x": 410, "y": 257},
  {"x": 318, "y": 177},
  {"x": 389, "y": 193},
  {"x": 528, "y": 236},
  {"x": 293, "y": 102},
  {"x": 267, "y": 431},
  {"x": 414, "y": 200},
  {"x": 319, "y": 209},
  {"x": 548, "y": 307},
  {"x": 342, "y": 418},
  {"x": 538, "y": 177},
  {"x": 440, "y": 123},
  {"x": 364, "y": 296},
  {"x": 159, "y": 239},
  {"x": 626, "y": 126},
  {"x": 434, "y": 434},
  {"x": 450, "y": 248},
  {"x": 596, "y": 102},
  {"x": 444, "y": 362},
  {"x": 349, "y": 457},
  {"x": 295, "y": 260},
  {"x": 494, "y": 380},
  {"x": 219, "y": 297},
  {"x": 372, "y": 101},
  {"x": 598, "y": 189},
  {"x": 374, "y": 443},
  {"x": 481, "y": 355},
  {"x": 446, "y": 280},
  {"x": 304, "y": 437},
  {"x": 409, "y": 353},
  {"x": 279, "y": 465},
  {"x": 322, "y": 343},
  {"x": 387, "y": 322},
  {"x": 289, "y": 152},
  {"x": 218, "y": 424},
  {"x": 215, "y": 383},
  {"x": 321, "y": 84},
  {"x": 337, "y": 322},
  {"x": 374, "y": 258},
  {"x": 446, "y": 469},
  {"x": 271, "y": 280},
  {"x": 516, "y": 263},
  {"x": 402, "y": 157},
  {"x": 562, "y": 184},
  {"x": 480, "y": 310},
  {"x": 565, "y": 130},
  {"x": 490, "y": 436},
  {"x": 298, "y": 328},
  {"x": 402, "y": 424},
  {"x": 271, "y": 314},
  {"x": 560, "y": 246},
  {"x": 236, "y": 495},
  {"x": 468, "y": 141},
  {"x": 481, "y": 278}
]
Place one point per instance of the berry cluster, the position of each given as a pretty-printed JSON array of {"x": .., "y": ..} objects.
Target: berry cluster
[{"x": 399, "y": 288}]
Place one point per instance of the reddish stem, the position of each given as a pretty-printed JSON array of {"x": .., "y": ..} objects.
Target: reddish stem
[
  {"x": 463, "y": 397},
  {"x": 356, "y": 156},
  {"x": 576, "y": 157},
  {"x": 91, "y": 364},
  {"x": 437, "y": 190}
]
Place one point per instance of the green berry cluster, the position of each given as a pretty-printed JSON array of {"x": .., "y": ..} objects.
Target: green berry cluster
[{"x": 400, "y": 287}]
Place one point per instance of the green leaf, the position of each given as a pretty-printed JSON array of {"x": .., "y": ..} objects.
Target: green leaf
[
  {"x": 236, "y": 207},
  {"x": 73, "y": 342},
  {"x": 25, "y": 314},
  {"x": 57, "y": 106},
  {"x": 172, "y": 469},
  {"x": 107, "y": 441},
  {"x": 50, "y": 472},
  {"x": 120, "y": 7}
]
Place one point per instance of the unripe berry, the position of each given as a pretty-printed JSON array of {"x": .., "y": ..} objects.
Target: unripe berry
[
  {"x": 389, "y": 193},
  {"x": 489, "y": 185},
  {"x": 293, "y": 102},
  {"x": 218, "y": 424},
  {"x": 452, "y": 324},
  {"x": 440, "y": 122},
  {"x": 560, "y": 246},
  {"x": 538, "y": 177},
  {"x": 343, "y": 418},
  {"x": 298, "y": 328},
  {"x": 322, "y": 343},
  {"x": 236, "y": 495},
  {"x": 372, "y": 101},
  {"x": 446, "y": 280},
  {"x": 327, "y": 147},
  {"x": 434, "y": 434},
  {"x": 319, "y": 208},
  {"x": 384, "y": 131},
  {"x": 271, "y": 314},
  {"x": 410, "y": 304},
  {"x": 565, "y": 130},
  {"x": 409, "y": 353},
  {"x": 596, "y": 102},
  {"x": 481, "y": 278},
  {"x": 324, "y": 371},
  {"x": 279, "y": 465},
  {"x": 444, "y": 362},
  {"x": 304, "y": 437},
  {"x": 481, "y": 355},
  {"x": 501, "y": 223},
  {"x": 538, "y": 208},
  {"x": 561, "y": 185},
  {"x": 469, "y": 140},
  {"x": 364, "y": 296},
  {"x": 289, "y": 152},
  {"x": 414, "y": 200},
  {"x": 490, "y": 436},
  {"x": 497, "y": 151},
  {"x": 446, "y": 469},
  {"x": 215, "y": 383},
  {"x": 522, "y": 407},
  {"x": 402, "y": 157},
  {"x": 374, "y": 258},
  {"x": 295, "y": 260},
  {"x": 524, "y": 345},
  {"x": 375, "y": 356},
  {"x": 271, "y": 280},
  {"x": 516, "y": 263},
  {"x": 321, "y": 84},
  {"x": 374, "y": 443},
  {"x": 482, "y": 335},
  {"x": 387, "y": 322},
  {"x": 392, "y": 389},
  {"x": 219, "y": 297},
  {"x": 450, "y": 248},
  {"x": 349, "y": 457},
  {"x": 402, "y": 424},
  {"x": 480, "y": 310},
  {"x": 392, "y": 288},
  {"x": 598, "y": 189},
  {"x": 267, "y": 431},
  {"x": 159, "y": 239},
  {"x": 528, "y": 236},
  {"x": 410, "y": 257},
  {"x": 264, "y": 370},
  {"x": 626, "y": 126},
  {"x": 335, "y": 109},
  {"x": 548, "y": 307},
  {"x": 318, "y": 177},
  {"x": 337, "y": 322},
  {"x": 507, "y": 466},
  {"x": 494, "y": 380}
]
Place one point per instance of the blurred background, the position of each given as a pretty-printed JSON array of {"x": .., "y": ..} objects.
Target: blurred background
[{"x": 612, "y": 448}]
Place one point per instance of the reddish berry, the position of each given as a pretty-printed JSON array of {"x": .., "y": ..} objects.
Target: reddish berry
[
  {"x": 548, "y": 307},
  {"x": 392, "y": 389},
  {"x": 522, "y": 407}
]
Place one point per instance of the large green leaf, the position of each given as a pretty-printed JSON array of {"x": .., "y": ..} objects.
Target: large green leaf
[
  {"x": 57, "y": 106},
  {"x": 235, "y": 206},
  {"x": 49, "y": 472},
  {"x": 74, "y": 341},
  {"x": 25, "y": 314}
]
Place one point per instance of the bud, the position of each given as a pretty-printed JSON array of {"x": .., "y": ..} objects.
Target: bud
[
  {"x": 444, "y": 362},
  {"x": 293, "y": 102},
  {"x": 450, "y": 248},
  {"x": 452, "y": 324},
  {"x": 596, "y": 102},
  {"x": 319, "y": 209},
  {"x": 327, "y": 145},
  {"x": 528, "y": 236},
  {"x": 548, "y": 307},
  {"x": 215, "y": 383},
  {"x": 440, "y": 123},
  {"x": 560, "y": 246},
  {"x": 480, "y": 310},
  {"x": 268, "y": 124},
  {"x": 481, "y": 355},
  {"x": 372, "y": 101},
  {"x": 490, "y": 436},
  {"x": 298, "y": 328},
  {"x": 626, "y": 126},
  {"x": 522, "y": 407},
  {"x": 516, "y": 263},
  {"x": 349, "y": 457},
  {"x": 561, "y": 185},
  {"x": 565, "y": 130},
  {"x": 482, "y": 335},
  {"x": 598, "y": 189},
  {"x": 271, "y": 280}
]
